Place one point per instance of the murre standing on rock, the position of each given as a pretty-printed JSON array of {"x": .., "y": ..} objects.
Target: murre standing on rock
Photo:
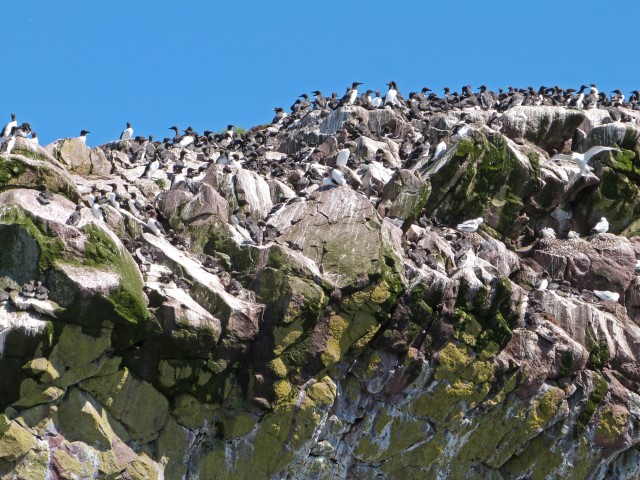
[
  {"x": 83, "y": 136},
  {"x": 45, "y": 197},
  {"x": 127, "y": 133},
  {"x": 391, "y": 98},
  {"x": 582, "y": 159},
  {"x": 96, "y": 210},
  {"x": 152, "y": 168},
  {"x": 154, "y": 225},
  {"x": 76, "y": 216},
  {"x": 29, "y": 289},
  {"x": 6, "y": 131},
  {"x": 134, "y": 206},
  {"x": 9, "y": 144},
  {"x": 351, "y": 95},
  {"x": 42, "y": 293}
]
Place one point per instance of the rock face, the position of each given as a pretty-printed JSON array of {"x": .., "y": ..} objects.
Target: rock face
[{"x": 305, "y": 320}]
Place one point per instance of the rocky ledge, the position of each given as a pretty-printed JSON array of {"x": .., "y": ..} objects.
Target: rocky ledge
[{"x": 314, "y": 313}]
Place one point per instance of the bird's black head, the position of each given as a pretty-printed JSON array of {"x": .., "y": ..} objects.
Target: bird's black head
[
  {"x": 174, "y": 128},
  {"x": 317, "y": 92},
  {"x": 128, "y": 124},
  {"x": 13, "y": 117},
  {"x": 230, "y": 127},
  {"x": 355, "y": 84},
  {"x": 84, "y": 132}
]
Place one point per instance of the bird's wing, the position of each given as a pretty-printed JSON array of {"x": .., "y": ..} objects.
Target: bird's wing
[
  {"x": 595, "y": 150},
  {"x": 562, "y": 156}
]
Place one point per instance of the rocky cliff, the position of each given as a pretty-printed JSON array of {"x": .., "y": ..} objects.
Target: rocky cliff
[{"x": 307, "y": 320}]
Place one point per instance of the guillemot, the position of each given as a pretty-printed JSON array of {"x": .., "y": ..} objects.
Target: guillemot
[
  {"x": 6, "y": 131},
  {"x": 127, "y": 133},
  {"x": 75, "y": 217},
  {"x": 351, "y": 95},
  {"x": 83, "y": 136}
]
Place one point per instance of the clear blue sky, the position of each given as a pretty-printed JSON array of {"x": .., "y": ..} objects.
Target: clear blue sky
[{"x": 71, "y": 65}]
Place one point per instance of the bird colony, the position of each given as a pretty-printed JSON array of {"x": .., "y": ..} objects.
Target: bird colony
[{"x": 372, "y": 285}]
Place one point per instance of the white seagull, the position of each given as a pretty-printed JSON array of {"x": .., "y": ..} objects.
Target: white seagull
[
  {"x": 127, "y": 133},
  {"x": 338, "y": 176},
  {"x": 441, "y": 148},
  {"x": 548, "y": 233},
  {"x": 572, "y": 235},
  {"x": 343, "y": 157},
  {"x": 470, "y": 226},
  {"x": 607, "y": 295},
  {"x": 582, "y": 159},
  {"x": 602, "y": 226}
]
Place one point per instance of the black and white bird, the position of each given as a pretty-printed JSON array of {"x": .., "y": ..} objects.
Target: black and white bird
[
  {"x": 127, "y": 133},
  {"x": 45, "y": 197},
  {"x": 470, "y": 226},
  {"x": 376, "y": 102},
  {"x": 134, "y": 206},
  {"x": 154, "y": 225},
  {"x": 34, "y": 138},
  {"x": 112, "y": 196},
  {"x": 582, "y": 159},
  {"x": 319, "y": 101},
  {"x": 93, "y": 195},
  {"x": 186, "y": 140},
  {"x": 83, "y": 136},
  {"x": 151, "y": 169},
  {"x": 42, "y": 293},
  {"x": 6, "y": 130},
  {"x": 75, "y": 217},
  {"x": 391, "y": 98},
  {"x": 29, "y": 289},
  {"x": 10, "y": 142},
  {"x": 280, "y": 115},
  {"x": 351, "y": 95},
  {"x": 96, "y": 210}
]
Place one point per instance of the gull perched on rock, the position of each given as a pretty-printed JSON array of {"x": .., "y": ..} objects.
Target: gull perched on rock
[
  {"x": 470, "y": 226},
  {"x": 582, "y": 159},
  {"x": 602, "y": 226},
  {"x": 573, "y": 235},
  {"x": 343, "y": 157},
  {"x": 548, "y": 233},
  {"x": 607, "y": 295}
]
